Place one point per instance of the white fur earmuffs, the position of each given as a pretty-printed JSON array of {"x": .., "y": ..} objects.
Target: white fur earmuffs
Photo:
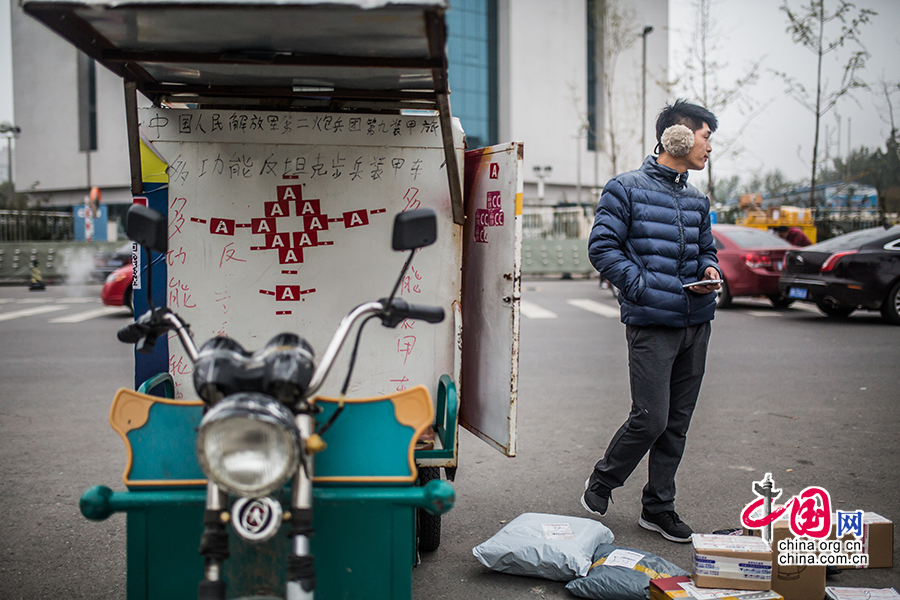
[{"x": 677, "y": 140}]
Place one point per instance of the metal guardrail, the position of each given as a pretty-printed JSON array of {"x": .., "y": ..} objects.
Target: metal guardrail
[
  {"x": 27, "y": 225},
  {"x": 70, "y": 261},
  {"x": 557, "y": 222},
  {"x": 555, "y": 239},
  {"x": 831, "y": 222}
]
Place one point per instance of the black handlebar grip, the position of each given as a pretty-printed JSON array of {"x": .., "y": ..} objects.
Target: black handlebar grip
[
  {"x": 429, "y": 314},
  {"x": 131, "y": 333}
]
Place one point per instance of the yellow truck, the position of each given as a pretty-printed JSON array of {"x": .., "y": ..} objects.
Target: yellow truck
[{"x": 775, "y": 216}]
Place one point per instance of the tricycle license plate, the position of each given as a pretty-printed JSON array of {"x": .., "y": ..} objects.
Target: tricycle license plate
[{"x": 797, "y": 293}]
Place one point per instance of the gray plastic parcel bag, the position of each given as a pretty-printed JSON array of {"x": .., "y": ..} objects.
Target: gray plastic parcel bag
[
  {"x": 622, "y": 574},
  {"x": 540, "y": 545}
]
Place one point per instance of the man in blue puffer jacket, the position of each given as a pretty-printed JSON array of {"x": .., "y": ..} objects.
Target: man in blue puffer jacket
[{"x": 651, "y": 237}]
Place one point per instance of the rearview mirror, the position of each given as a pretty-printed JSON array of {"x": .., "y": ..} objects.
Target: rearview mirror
[
  {"x": 414, "y": 229},
  {"x": 147, "y": 227}
]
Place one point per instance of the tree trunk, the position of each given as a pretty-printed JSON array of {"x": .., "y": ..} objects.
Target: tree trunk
[{"x": 815, "y": 154}]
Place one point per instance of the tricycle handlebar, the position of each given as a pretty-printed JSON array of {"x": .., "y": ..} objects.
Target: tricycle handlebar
[{"x": 392, "y": 312}]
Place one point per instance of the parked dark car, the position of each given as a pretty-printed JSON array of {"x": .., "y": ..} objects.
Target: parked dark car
[
  {"x": 859, "y": 270},
  {"x": 107, "y": 261},
  {"x": 751, "y": 260}
]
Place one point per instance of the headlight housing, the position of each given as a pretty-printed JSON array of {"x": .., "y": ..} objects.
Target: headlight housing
[
  {"x": 248, "y": 444},
  {"x": 115, "y": 276}
]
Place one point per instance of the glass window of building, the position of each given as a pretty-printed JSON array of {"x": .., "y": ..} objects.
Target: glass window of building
[{"x": 472, "y": 68}]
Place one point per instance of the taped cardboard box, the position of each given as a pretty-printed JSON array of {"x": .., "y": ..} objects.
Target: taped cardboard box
[
  {"x": 793, "y": 581},
  {"x": 877, "y": 541},
  {"x": 730, "y": 561},
  {"x": 678, "y": 588}
]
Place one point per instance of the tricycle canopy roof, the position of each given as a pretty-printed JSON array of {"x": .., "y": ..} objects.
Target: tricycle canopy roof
[{"x": 342, "y": 54}]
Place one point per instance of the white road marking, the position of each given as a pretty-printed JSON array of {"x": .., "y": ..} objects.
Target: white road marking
[
  {"x": 603, "y": 310},
  {"x": 807, "y": 307},
  {"x": 763, "y": 313},
  {"x": 89, "y": 314},
  {"x": 28, "y": 312},
  {"x": 533, "y": 311},
  {"x": 34, "y": 300}
]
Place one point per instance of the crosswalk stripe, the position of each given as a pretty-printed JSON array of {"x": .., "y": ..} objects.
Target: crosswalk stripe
[
  {"x": 533, "y": 311},
  {"x": 812, "y": 308},
  {"x": 28, "y": 312},
  {"x": 603, "y": 310},
  {"x": 89, "y": 314}
]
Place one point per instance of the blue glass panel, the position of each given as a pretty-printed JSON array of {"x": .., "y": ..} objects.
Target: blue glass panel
[{"x": 469, "y": 55}]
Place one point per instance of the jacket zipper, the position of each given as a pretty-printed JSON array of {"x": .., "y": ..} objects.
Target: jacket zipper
[{"x": 681, "y": 243}]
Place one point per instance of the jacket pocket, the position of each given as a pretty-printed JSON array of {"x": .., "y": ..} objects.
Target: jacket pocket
[{"x": 635, "y": 291}]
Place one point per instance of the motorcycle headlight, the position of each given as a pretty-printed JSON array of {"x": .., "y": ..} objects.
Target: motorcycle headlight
[{"x": 249, "y": 445}]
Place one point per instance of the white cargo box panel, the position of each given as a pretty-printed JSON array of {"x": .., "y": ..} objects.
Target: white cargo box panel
[{"x": 282, "y": 222}]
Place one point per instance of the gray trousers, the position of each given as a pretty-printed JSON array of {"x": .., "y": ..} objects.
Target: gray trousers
[{"x": 666, "y": 366}]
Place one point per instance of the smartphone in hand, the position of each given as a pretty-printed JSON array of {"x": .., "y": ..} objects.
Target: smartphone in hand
[{"x": 702, "y": 282}]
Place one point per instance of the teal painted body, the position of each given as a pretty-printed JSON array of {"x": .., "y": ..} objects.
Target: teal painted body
[
  {"x": 365, "y": 535},
  {"x": 364, "y": 540},
  {"x": 379, "y": 442}
]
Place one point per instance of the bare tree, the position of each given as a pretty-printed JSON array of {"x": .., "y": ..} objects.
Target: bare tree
[
  {"x": 703, "y": 74},
  {"x": 889, "y": 90},
  {"x": 807, "y": 28}
]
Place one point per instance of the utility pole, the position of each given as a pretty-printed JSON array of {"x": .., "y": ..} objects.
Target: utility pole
[{"x": 647, "y": 30}]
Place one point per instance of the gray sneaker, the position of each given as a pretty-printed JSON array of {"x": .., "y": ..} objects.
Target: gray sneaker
[
  {"x": 595, "y": 498},
  {"x": 668, "y": 525}
]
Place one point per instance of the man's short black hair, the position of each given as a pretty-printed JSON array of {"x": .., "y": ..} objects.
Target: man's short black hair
[{"x": 683, "y": 112}]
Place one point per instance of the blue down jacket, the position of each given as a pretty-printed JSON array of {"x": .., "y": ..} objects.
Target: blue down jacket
[{"x": 651, "y": 235}]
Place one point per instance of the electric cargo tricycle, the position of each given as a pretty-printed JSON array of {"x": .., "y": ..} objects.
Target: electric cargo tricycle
[{"x": 281, "y": 153}]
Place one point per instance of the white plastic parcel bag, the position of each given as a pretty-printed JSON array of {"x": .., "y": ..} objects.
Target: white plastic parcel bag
[{"x": 540, "y": 545}]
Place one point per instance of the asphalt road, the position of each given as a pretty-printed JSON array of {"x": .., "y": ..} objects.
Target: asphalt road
[{"x": 811, "y": 400}]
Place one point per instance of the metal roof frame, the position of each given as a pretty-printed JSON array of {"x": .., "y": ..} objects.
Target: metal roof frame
[{"x": 341, "y": 55}]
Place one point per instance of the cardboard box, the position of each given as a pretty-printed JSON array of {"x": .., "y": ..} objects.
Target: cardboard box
[
  {"x": 672, "y": 588},
  {"x": 794, "y": 582},
  {"x": 731, "y": 561},
  {"x": 877, "y": 541}
]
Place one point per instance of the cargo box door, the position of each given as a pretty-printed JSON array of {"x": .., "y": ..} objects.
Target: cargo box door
[{"x": 491, "y": 292}]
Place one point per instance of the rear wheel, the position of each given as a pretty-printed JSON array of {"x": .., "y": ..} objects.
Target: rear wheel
[
  {"x": 780, "y": 300},
  {"x": 723, "y": 296},
  {"x": 429, "y": 525},
  {"x": 837, "y": 312},
  {"x": 890, "y": 310}
]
